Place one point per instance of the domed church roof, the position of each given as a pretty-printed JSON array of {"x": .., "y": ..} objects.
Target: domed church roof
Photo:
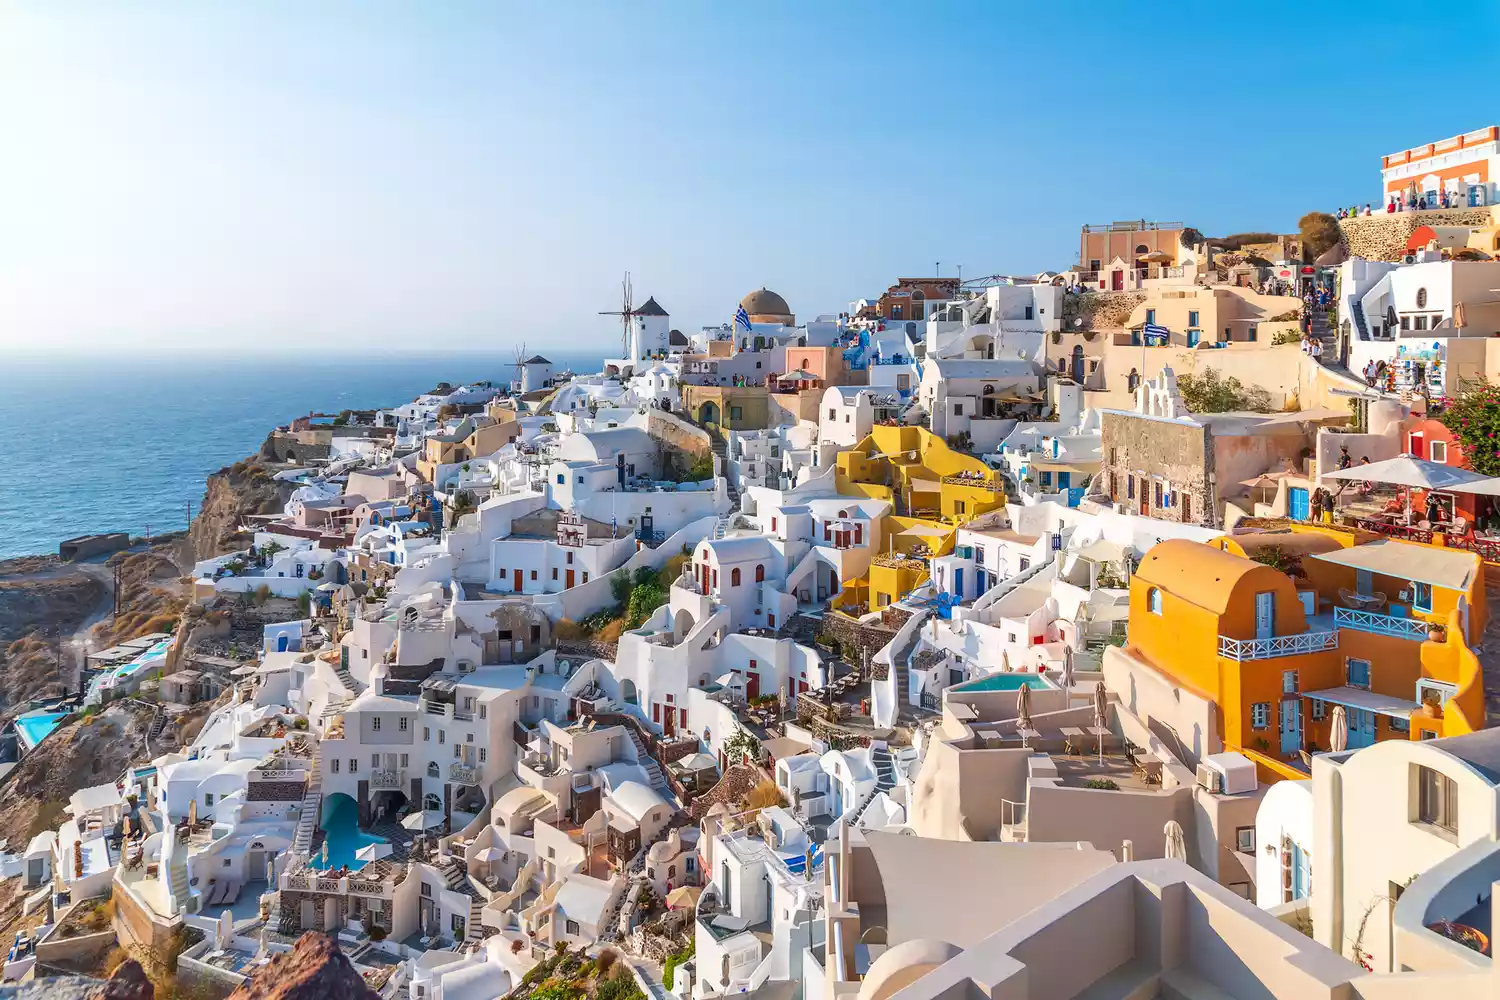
[{"x": 764, "y": 302}]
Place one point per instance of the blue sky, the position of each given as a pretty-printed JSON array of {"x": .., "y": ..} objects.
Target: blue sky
[{"x": 285, "y": 174}]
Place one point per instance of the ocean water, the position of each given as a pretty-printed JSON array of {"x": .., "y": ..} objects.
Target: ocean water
[{"x": 126, "y": 444}]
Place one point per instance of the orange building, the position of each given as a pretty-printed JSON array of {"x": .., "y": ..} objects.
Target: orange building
[{"x": 1382, "y": 629}]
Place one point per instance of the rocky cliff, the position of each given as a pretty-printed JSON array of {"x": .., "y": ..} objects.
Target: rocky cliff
[
  {"x": 314, "y": 969},
  {"x": 246, "y": 487},
  {"x": 129, "y": 982}
]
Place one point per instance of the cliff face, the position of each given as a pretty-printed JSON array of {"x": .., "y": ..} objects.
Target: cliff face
[
  {"x": 246, "y": 487},
  {"x": 314, "y": 969},
  {"x": 43, "y": 606}
]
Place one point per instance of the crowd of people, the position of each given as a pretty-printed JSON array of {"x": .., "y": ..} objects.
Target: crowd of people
[{"x": 1409, "y": 202}]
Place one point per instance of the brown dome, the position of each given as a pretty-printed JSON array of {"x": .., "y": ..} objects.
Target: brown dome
[{"x": 765, "y": 303}]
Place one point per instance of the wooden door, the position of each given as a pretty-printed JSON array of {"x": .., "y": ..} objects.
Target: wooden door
[
  {"x": 570, "y": 580},
  {"x": 516, "y": 585}
]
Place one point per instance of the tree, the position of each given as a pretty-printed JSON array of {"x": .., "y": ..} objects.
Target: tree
[
  {"x": 1190, "y": 237},
  {"x": 644, "y": 600},
  {"x": 1320, "y": 231},
  {"x": 1474, "y": 418}
]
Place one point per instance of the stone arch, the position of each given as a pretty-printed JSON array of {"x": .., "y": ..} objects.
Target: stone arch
[
  {"x": 682, "y": 624},
  {"x": 628, "y": 692}
]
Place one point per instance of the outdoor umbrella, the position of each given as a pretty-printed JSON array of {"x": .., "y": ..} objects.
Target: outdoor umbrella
[
  {"x": 1404, "y": 470},
  {"x": 1176, "y": 842},
  {"x": 1155, "y": 257},
  {"x": 1338, "y": 730},
  {"x": 684, "y": 897},
  {"x": 1067, "y": 670},
  {"x": 1101, "y": 714},
  {"x": 1023, "y": 711}
]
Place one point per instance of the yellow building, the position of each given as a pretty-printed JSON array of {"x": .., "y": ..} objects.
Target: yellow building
[
  {"x": 1258, "y": 659},
  {"x": 932, "y": 489}
]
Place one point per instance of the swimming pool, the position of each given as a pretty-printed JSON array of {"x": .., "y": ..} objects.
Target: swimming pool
[
  {"x": 343, "y": 836},
  {"x": 1006, "y": 682},
  {"x": 36, "y": 726}
]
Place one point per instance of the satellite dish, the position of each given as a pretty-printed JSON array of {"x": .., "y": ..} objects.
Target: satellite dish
[
  {"x": 1077, "y": 322},
  {"x": 1021, "y": 354}
]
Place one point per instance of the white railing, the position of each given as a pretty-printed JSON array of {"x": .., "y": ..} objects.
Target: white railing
[
  {"x": 385, "y": 778},
  {"x": 1370, "y": 621},
  {"x": 1280, "y": 645},
  {"x": 462, "y": 774}
]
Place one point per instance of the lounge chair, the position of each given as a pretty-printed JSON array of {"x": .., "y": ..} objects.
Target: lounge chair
[
  {"x": 214, "y": 892},
  {"x": 230, "y": 895}
]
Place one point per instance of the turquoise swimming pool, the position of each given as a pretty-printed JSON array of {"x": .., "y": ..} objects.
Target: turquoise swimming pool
[
  {"x": 343, "y": 836},
  {"x": 35, "y": 726},
  {"x": 1006, "y": 682}
]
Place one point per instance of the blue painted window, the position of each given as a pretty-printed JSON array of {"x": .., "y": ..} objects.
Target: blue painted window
[
  {"x": 560, "y": 479},
  {"x": 1359, "y": 673},
  {"x": 1421, "y": 596},
  {"x": 1153, "y": 600},
  {"x": 1192, "y": 317},
  {"x": 1151, "y": 316}
]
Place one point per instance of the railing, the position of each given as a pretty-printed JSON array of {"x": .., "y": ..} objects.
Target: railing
[
  {"x": 463, "y": 716},
  {"x": 1395, "y": 530},
  {"x": 385, "y": 778},
  {"x": 1369, "y": 621},
  {"x": 463, "y": 775},
  {"x": 1488, "y": 549},
  {"x": 1274, "y": 646}
]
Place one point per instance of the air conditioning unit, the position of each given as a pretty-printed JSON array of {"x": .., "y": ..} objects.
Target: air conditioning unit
[
  {"x": 1210, "y": 779},
  {"x": 1229, "y": 773}
]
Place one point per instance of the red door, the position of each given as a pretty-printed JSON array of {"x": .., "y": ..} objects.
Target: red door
[
  {"x": 570, "y": 579},
  {"x": 752, "y": 685},
  {"x": 1417, "y": 443},
  {"x": 517, "y": 585},
  {"x": 1117, "y": 281}
]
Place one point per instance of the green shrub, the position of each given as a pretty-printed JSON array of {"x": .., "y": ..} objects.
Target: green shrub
[
  {"x": 1103, "y": 784},
  {"x": 673, "y": 961},
  {"x": 644, "y": 600}
]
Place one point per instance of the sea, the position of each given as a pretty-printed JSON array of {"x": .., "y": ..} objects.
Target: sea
[{"x": 110, "y": 443}]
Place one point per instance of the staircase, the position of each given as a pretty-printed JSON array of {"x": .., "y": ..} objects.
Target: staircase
[
  {"x": 312, "y": 801},
  {"x": 803, "y": 628},
  {"x": 1357, "y": 312},
  {"x": 1327, "y": 336},
  {"x": 721, "y": 527},
  {"x": 648, "y": 763},
  {"x": 474, "y": 926},
  {"x": 177, "y": 879},
  {"x": 157, "y": 727},
  {"x": 885, "y": 769},
  {"x": 351, "y": 685}
]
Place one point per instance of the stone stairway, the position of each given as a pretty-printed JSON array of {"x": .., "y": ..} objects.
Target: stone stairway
[
  {"x": 312, "y": 801},
  {"x": 885, "y": 769},
  {"x": 648, "y": 763},
  {"x": 474, "y": 926},
  {"x": 177, "y": 880},
  {"x": 347, "y": 679}
]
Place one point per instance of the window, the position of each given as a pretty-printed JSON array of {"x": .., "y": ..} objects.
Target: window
[
  {"x": 374, "y": 760},
  {"x": 458, "y": 751},
  {"x": 533, "y": 574},
  {"x": 353, "y": 765},
  {"x": 426, "y": 734},
  {"x": 1244, "y": 839},
  {"x": 403, "y": 724},
  {"x": 442, "y": 736},
  {"x": 1402, "y": 726},
  {"x": 833, "y": 414},
  {"x": 1129, "y": 487},
  {"x": 554, "y": 572},
  {"x": 427, "y": 890},
  {"x": 570, "y": 558},
  {"x": 1319, "y": 709},
  {"x": 1357, "y": 673},
  {"x": 1421, "y": 596},
  {"x": 1153, "y": 600},
  {"x": 1192, "y": 317},
  {"x": 375, "y": 724},
  {"x": 1030, "y": 312},
  {"x": 561, "y": 478},
  {"x": 483, "y": 709},
  {"x": 572, "y": 926},
  {"x": 1421, "y": 298},
  {"x": 1151, "y": 317},
  {"x": 1289, "y": 682},
  {"x": 734, "y": 577},
  {"x": 482, "y": 755},
  {"x": 959, "y": 507},
  {"x": 1406, "y": 322},
  {"x": 405, "y": 760},
  {"x": 208, "y": 800},
  {"x": 958, "y": 409},
  {"x": 1419, "y": 323},
  {"x": 1260, "y": 715},
  {"x": 1440, "y": 452},
  {"x": 735, "y": 412},
  {"x": 1437, "y": 800},
  {"x": 760, "y": 573},
  {"x": 333, "y": 765}
]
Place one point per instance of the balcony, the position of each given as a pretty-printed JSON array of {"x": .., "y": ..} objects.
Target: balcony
[
  {"x": 463, "y": 775},
  {"x": 1378, "y": 624},
  {"x": 1241, "y": 650},
  {"x": 386, "y": 778}
]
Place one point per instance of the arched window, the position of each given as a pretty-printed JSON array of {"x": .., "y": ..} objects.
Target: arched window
[
  {"x": 432, "y": 802},
  {"x": 1153, "y": 600},
  {"x": 1142, "y": 248},
  {"x": 734, "y": 577},
  {"x": 432, "y": 770},
  {"x": 1421, "y": 298},
  {"x": 760, "y": 573}
]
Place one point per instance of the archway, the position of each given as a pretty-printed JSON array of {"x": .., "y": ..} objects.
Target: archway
[
  {"x": 918, "y": 305},
  {"x": 708, "y": 413},
  {"x": 385, "y": 805},
  {"x": 682, "y": 624},
  {"x": 627, "y": 691},
  {"x": 982, "y": 345}
]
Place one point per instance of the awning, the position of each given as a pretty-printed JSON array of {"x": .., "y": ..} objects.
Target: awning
[
  {"x": 1404, "y": 470},
  {"x": 1453, "y": 569},
  {"x": 1369, "y": 701},
  {"x": 926, "y": 485},
  {"x": 1081, "y": 466},
  {"x": 1103, "y": 551}
]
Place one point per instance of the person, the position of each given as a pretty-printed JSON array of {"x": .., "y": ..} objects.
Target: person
[
  {"x": 1368, "y": 486},
  {"x": 1369, "y": 373},
  {"x": 1317, "y": 349},
  {"x": 1317, "y": 505},
  {"x": 1390, "y": 207},
  {"x": 1344, "y": 460},
  {"x": 1340, "y": 214},
  {"x": 1422, "y": 203},
  {"x": 1434, "y": 509},
  {"x": 1368, "y": 213}
]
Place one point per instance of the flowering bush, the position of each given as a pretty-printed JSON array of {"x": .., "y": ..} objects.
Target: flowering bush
[{"x": 1474, "y": 417}]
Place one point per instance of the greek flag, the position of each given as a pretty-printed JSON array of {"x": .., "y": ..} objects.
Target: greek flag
[
  {"x": 1155, "y": 334},
  {"x": 741, "y": 318}
]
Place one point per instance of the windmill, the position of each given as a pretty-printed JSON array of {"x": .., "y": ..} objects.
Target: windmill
[{"x": 625, "y": 311}]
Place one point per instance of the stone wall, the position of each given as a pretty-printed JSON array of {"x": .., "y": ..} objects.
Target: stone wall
[
  {"x": 734, "y": 786},
  {"x": 1383, "y": 236},
  {"x": 1178, "y": 453},
  {"x": 1099, "y": 310},
  {"x": 677, "y": 433}
]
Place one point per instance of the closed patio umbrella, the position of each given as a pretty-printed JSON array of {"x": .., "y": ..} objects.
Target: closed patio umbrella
[
  {"x": 1101, "y": 715},
  {"x": 1023, "y": 711},
  {"x": 1338, "y": 730},
  {"x": 1176, "y": 842},
  {"x": 1067, "y": 669}
]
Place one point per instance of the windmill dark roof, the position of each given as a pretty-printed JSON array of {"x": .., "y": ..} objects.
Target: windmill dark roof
[
  {"x": 651, "y": 308},
  {"x": 536, "y": 359}
]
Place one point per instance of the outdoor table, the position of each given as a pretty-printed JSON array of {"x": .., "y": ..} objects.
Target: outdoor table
[
  {"x": 1151, "y": 769},
  {"x": 1027, "y": 734},
  {"x": 1072, "y": 739},
  {"x": 1100, "y": 732}
]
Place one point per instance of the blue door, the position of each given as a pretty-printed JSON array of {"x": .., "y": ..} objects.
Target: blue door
[
  {"x": 1064, "y": 480},
  {"x": 1298, "y": 504},
  {"x": 1361, "y": 728},
  {"x": 281, "y": 643},
  {"x": 1291, "y": 726},
  {"x": 958, "y": 583},
  {"x": 1301, "y": 872}
]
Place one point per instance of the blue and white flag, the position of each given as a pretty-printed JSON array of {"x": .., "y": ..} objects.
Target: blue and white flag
[
  {"x": 1154, "y": 333},
  {"x": 741, "y": 318}
]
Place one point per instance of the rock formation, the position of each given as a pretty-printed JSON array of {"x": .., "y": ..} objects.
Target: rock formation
[{"x": 315, "y": 969}]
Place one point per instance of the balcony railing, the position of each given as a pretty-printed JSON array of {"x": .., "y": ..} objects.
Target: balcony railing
[
  {"x": 463, "y": 775},
  {"x": 1369, "y": 621},
  {"x": 1275, "y": 646},
  {"x": 385, "y": 778}
]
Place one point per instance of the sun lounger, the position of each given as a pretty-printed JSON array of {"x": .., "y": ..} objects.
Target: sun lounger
[
  {"x": 214, "y": 891},
  {"x": 231, "y": 894}
]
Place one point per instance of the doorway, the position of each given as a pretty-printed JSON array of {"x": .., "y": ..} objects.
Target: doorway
[
  {"x": 1265, "y": 614},
  {"x": 516, "y": 581},
  {"x": 1291, "y": 726}
]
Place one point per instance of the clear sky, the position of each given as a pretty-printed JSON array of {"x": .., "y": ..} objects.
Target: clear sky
[{"x": 450, "y": 174}]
